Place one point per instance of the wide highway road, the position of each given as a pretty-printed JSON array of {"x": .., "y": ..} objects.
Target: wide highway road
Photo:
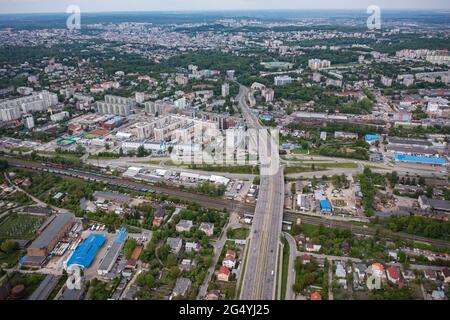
[{"x": 258, "y": 282}]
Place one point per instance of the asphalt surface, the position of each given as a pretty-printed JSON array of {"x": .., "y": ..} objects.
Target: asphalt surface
[{"x": 259, "y": 281}]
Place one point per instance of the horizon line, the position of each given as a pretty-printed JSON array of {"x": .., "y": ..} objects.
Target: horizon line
[{"x": 444, "y": 10}]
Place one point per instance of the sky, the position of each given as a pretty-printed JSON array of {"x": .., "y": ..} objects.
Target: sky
[{"x": 31, "y": 6}]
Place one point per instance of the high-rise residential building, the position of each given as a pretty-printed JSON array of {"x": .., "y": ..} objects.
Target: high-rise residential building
[
  {"x": 28, "y": 121},
  {"x": 180, "y": 103},
  {"x": 317, "y": 64},
  {"x": 268, "y": 94},
  {"x": 15, "y": 108},
  {"x": 225, "y": 90},
  {"x": 140, "y": 97},
  {"x": 115, "y": 105},
  {"x": 282, "y": 80}
]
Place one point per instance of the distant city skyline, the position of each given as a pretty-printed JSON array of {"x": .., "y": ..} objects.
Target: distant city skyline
[{"x": 53, "y": 6}]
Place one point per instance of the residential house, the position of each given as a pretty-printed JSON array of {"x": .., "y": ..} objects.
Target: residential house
[
  {"x": 224, "y": 274},
  {"x": 230, "y": 259},
  {"x": 360, "y": 270},
  {"x": 315, "y": 296},
  {"x": 175, "y": 244},
  {"x": 207, "y": 228},
  {"x": 340, "y": 270},
  {"x": 213, "y": 295},
  {"x": 191, "y": 246},
  {"x": 408, "y": 275},
  {"x": 159, "y": 217},
  {"x": 393, "y": 274},
  {"x": 181, "y": 287},
  {"x": 430, "y": 274},
  {"x": 310, "y": 247},
  {"x": 184, "y": 226}
]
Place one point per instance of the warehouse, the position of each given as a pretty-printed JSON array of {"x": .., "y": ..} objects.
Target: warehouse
[
  {"x": 113, "y": 252},
  {"x": 56, "y": 228},
  {"x": 325, "y": 206},
  {"x": 86, "y": 251},
  {"x": 421, "y": 160}
]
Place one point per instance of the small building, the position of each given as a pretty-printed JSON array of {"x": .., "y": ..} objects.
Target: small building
[
  {"x": 325, "y": 207},
  {"x": 372, "y": 138},
  {"x": 224, "y": 274},
  {"x": 393, "y": 274},
  {"x": 430, "y": 274},
  {"x": 207, "y": 228},
  {"x": 175, "y": 244},
  {"x": 192, "y": 246},
  {"x": 446, "y": 275},
  {"x": 315, "y": 296},
  {"x": 360, "y": 270},
  {"x": 408, "y": 275},
  {"x": 184, "y": 226},
  {"x": 230, "y": 259},
  {"x": 182, "y": 286},
  {"x": 310, "y": 247},
  {"x": 340, "y": 271}
]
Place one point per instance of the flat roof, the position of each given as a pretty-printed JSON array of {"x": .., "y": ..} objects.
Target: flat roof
[
  {"x": 51, "y": 231},
  {"x": 45, "y": 288},
  {"x": 417, "y": 142},
  {"x": 417, "y": 159},
  {"x": 325, "y": 205}
]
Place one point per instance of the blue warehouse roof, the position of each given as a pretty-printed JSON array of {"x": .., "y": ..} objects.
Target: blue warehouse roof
[{"x": 86, "y": 251}]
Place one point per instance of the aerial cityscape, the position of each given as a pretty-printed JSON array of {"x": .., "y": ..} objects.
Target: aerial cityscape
[{"x": 224, "y": 151}]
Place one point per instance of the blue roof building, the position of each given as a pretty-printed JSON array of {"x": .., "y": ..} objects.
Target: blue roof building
[
  {"x": 325, "y": 206},
  {"x": 422, "y": 160},
  {"x": 370, "y": 138},
  {"x": 86, "y": 251}
]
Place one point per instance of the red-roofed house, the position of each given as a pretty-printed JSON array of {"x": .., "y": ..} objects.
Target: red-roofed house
[
  {"x": 315, "y": 296},
  {"x": 230, "y": 259},
  {"x": 224, "y": 274},
  {"x": 393, "y": 274}
]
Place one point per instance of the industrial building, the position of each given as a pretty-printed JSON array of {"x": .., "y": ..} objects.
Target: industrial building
[
  {"x": 54, "y": 229},
  {"x": 85, "y": 253},
  {"x": 113, "y": 252},
  {"x": 421, "y": 160}
]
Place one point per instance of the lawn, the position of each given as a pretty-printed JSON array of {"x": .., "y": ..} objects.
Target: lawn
[
  {"x": 241, "y": 233},
  {"x": 20, "y": 227}
]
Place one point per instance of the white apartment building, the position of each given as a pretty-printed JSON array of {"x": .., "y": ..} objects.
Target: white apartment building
[
  {"x": 225, "y": 90},
  {"x": 29, "y": 121},
  {"x": 317, "y": 64},
  {"x": 59, "y": 116},
  {"x": 282, "y": 80},
  {"x": 15, "y": 108},
  {"x": 116, "y": 105},
  {"x": 180, "y": 103}
]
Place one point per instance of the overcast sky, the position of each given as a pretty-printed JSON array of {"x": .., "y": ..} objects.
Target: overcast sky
[{"x": 25, "y": 6}]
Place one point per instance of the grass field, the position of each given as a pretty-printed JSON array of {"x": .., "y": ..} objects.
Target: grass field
[{"x": 19, "y": 227}]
